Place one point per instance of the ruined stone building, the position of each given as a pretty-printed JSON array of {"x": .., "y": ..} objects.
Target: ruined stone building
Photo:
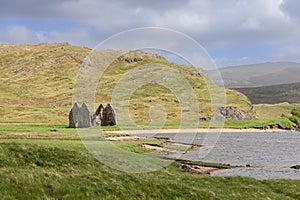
[
  {"x": 98, "y": 116},
  {"x": 85, "y": 116},
  {"x": 80, "y": 117},
  {"x": 109, "y": 116}
]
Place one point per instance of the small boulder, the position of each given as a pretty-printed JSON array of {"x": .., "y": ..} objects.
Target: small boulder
[{"x": 186, "y": 168}]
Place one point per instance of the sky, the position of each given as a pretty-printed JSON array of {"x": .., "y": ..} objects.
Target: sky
[{"x": 233, "y": 32}]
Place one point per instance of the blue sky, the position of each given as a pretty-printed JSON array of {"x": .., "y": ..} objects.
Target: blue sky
[{"x": 233, "y": 32}]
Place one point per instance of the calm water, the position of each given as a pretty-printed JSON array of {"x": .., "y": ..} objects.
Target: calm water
[{"x": 270, "y": 155}]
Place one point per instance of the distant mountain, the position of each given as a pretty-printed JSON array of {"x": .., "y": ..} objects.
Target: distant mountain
[
  {"x": 263, "y": 83},
  {"x": 255, "y": 75},
  {"x": 273, "y": 94}
]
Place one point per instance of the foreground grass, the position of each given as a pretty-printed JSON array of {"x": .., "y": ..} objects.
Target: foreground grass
[
  {"x": 39, "y": 167},
  {"x": 30, "y": 171}
]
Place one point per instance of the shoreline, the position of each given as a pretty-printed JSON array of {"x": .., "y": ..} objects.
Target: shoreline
[{"x": 199, "y": 130}]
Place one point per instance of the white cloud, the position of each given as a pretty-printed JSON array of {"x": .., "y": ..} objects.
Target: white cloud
[
  {"x": 251, "y": 24},
  {"x": 77, "y": 36},
  {"x": 211, "y": 21},
  {"x": 19, "y": 34},
  {"x": 184, "y": 21},
  {"x": 217, "y": 24}
]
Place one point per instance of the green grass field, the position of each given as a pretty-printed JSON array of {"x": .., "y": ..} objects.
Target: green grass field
[
  {"x": 37, "y": 166},
  {"x": 40, "y": 158}
]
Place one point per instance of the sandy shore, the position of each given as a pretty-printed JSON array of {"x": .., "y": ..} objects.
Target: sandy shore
[{"x": 199, "y": 130}]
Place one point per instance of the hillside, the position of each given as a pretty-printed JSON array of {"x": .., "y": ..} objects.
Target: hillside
[
  {"x": 273, "y": 94},
  {"x": 37, "y": 81},
  {"x": 263, "y": 74}
]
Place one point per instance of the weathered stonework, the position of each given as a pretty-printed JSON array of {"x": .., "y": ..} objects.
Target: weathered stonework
[
  {"x": 80, "y": 117},
  {"x": 98, "y": 116},
  {"x": 109, "y": 116},
  {"x": 74, "y": 116},
  {"x": 85, "y": 116}
]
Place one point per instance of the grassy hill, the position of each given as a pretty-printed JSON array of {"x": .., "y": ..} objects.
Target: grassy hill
[{"x": 37, "y": 81}]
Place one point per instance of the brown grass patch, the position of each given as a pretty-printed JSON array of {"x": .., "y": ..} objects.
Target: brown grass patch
[{"x": 38, "y": 135}]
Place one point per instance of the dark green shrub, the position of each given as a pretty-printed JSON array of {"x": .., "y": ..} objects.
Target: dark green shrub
[{"x": 295, "y": 118}]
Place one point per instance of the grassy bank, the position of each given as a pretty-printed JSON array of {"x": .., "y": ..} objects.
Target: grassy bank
[
  {"x": 283, "y": 123},
  {"x": 34, "y": 171},
  {"x": 30, "y": 171},
  {"x": 268, "y": 115},
  {"x": 52, "y": 163}
]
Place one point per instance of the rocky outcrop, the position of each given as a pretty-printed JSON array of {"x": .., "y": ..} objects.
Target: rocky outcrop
[
  {"x": 233, "y": 113},
  {"x": 135, "y": 59},
  {"x": 138, "y": 55},
  {"x": 79, "y": 117}
]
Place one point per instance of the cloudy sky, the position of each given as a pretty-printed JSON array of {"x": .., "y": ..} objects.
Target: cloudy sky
[{"x": 233, "y": 32}]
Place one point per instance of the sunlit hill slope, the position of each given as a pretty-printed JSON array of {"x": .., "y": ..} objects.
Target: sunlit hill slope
[{"x": 37, "y": 81}]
